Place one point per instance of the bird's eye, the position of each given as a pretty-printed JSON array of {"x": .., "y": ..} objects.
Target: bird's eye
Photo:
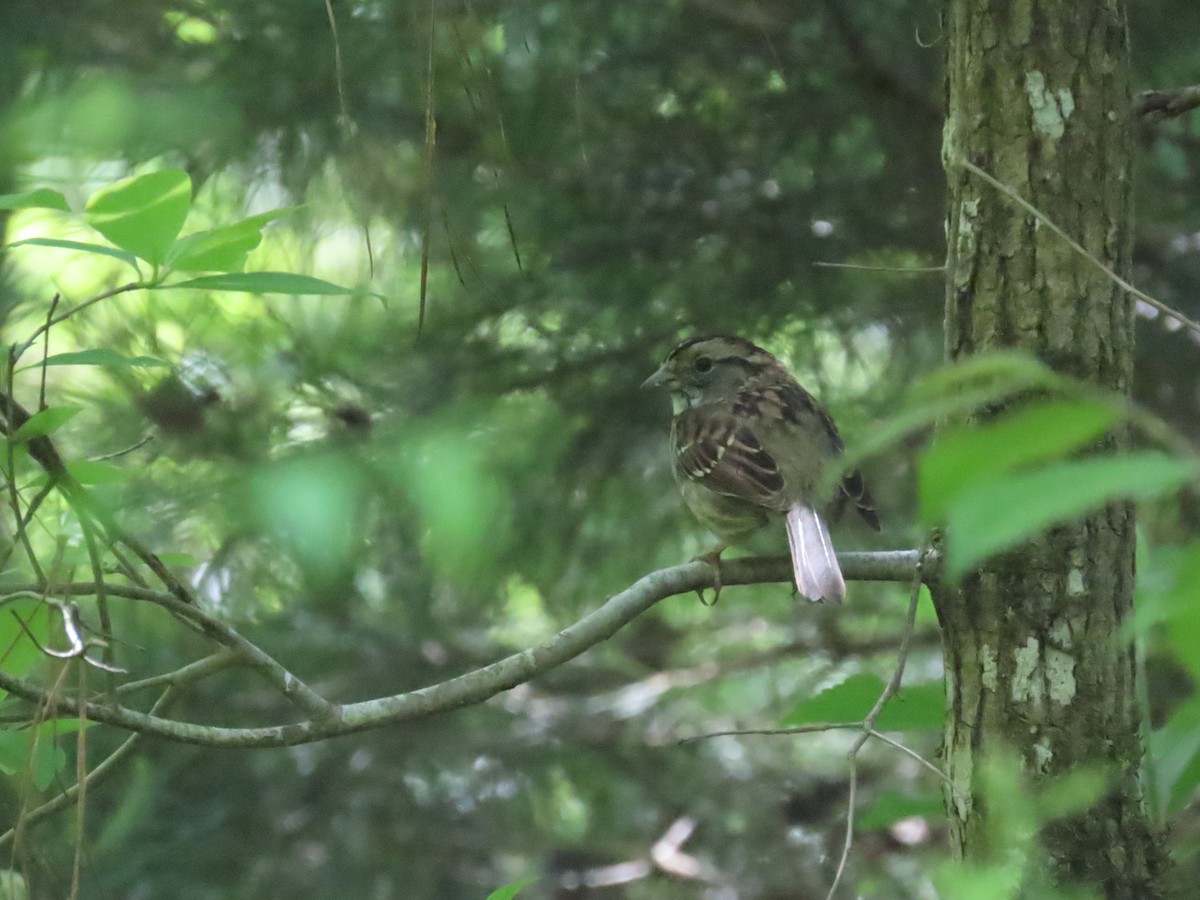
[{"x": 702, "y": 364}]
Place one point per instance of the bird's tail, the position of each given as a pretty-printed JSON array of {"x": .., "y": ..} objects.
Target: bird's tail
[{"x": 818, "y": 575}]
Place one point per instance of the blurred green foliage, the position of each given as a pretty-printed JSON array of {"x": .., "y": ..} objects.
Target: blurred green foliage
[{"x": 382, "y": 513}]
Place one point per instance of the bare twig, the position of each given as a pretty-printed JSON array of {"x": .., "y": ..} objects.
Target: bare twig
[
  {"x": 1167, "y": 104},
  {"x": 427, "y": 173},
  {"x": 118, "y": 453},
  {"x": 14, "y": 495},
  {"x": 81, "y": 781},
  {"x": 1077, "y": 247},
  {"x": 868, "y": 724},
  {"x": 903, "y": 270},
  {"x": 46, "y": 351},
  {"x": 79, "y": 307}
]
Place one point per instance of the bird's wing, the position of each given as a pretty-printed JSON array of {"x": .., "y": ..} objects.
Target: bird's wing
[{"x": 713, "y": 449}]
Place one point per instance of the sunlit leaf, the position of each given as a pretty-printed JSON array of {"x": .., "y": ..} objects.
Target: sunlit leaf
[
  {"x": 143, "y": 214},
  {"x": 86, "y": 471},
  {"x": 264, "y": 283},
  {"x": 976, "y": 453},
  {"x": 312, "y": 504},
  {"x": 221, "y": 249},
  {"x": 461, "y": 503},
  {"x": 98, "y": 249},
  {"x": 987, "y": 518},
  {"x": 45, "y": 421},
  {"x": 103, "y": 356},
  {"x": 510, "y": 890},
  {"x": 42, "y": 198}
]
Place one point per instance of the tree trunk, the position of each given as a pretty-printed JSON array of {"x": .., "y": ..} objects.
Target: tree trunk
[{"x": 1038, "y": 96}]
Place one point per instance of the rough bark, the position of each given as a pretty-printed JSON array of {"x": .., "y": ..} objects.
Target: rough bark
[{"x": 1038, "y": 95}]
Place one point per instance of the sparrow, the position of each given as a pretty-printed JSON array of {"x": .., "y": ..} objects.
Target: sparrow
[{"x": 751, "y": 446}]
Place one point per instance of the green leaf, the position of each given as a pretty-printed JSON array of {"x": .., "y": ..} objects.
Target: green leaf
[
  {"x": 921, "y": 707},
  {"x": 995, "y": 515},
  {"x": 98, "y": 249},
  {"x": 1000, "y": 374},
  {"x": 143, "y": 214},
  {"x": 47, "y": 758},
  {"x": 14, "y": 751},
  {"x": 42, "y": 198},
  {"x": 88, "y": 472},
  {"x": 510, "y": 890},
  {"x": 917, "y": 708},
  {"x": 221, "y": 249},
  {"x": 21, "y": 641},
  {"x": 977, "y": 453},
  {"x": 849, "y": 701},
  {"x": 1175, "y": 751},
  {"x": 892, "y": 806},
  {"x": 103, "y": 356},
  {"x": 264, "y": 283},
  {"x": 1069, "y": 793},
  {"x": 45, "y": 422}
]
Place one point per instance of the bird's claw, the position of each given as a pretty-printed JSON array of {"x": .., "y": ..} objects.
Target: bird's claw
[{"x": 713, "y": 559}]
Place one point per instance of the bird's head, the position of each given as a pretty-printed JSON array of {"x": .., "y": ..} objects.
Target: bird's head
[{"x": 704, "y": 369}]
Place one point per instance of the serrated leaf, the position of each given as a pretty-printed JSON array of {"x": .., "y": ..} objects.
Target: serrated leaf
[
  {"x": 102, "y": 356},
  {"x": 221, "y": 249},
  {"x": 264, "y": 283},
  {"x": 981, "y": 452},
  {"x": 45, "y": 422},
  {"x": 849, "y": 701},
  {"x": 41, "y": 198},
  {"x": 892, "y": 806},
  {"x": 995, "y": 515},
  {"x": 510, "y": 890},
  {"x": 98, "y": 249},
  {"x": 143, "y": 214},
  {"x": 921, "y": 707}
]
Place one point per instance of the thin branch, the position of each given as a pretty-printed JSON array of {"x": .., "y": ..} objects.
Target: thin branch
[
  {"x": 118, "y": 453},
  {"x": 868, "y": 724},
  {"x": 193, "y": 671},
  {"x": 1167, "y": 104},
  {"x": 79, "y": 307},
  {"x": 1077, "y": 247},
  {"x": 903, "y": 270},
  {"x": 464, "y": 690},
  {"x": 46, "y": 350},
  {"x": 848, "y": 843},
  {"x": 290, "y": 686},
  {"x": 909, "y": 751}
]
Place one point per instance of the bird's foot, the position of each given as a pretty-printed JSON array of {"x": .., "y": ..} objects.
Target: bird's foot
[{"x": 713, "y": 559}]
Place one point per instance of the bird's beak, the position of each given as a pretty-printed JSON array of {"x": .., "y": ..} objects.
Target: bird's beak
[{"x": 659, "y": 379}]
